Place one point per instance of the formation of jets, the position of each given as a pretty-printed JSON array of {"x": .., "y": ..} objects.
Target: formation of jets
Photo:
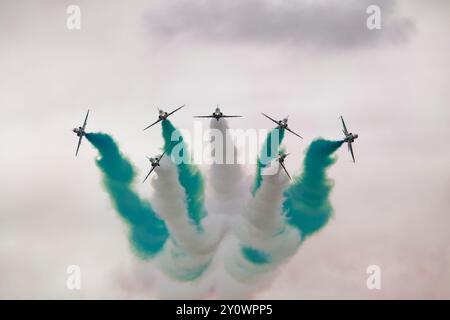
[{"x": 218, "y": 114}]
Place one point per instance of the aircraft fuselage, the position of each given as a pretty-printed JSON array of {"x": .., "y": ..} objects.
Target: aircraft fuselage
[
  {"x": 350, "y": 137},
  {"x": 281, "y": 157},
  {"x": 163, "y": 115},
  {"x": 79, "y": 131},
  {"x": 217, "y": 115},
  {"x": 282, "y": 124},
  {"x": 154, "y": 162}
]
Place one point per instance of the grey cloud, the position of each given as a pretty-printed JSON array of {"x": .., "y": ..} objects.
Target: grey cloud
[{"x": 328, "y": 23}]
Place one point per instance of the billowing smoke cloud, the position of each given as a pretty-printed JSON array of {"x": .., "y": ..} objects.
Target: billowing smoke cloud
[
  {"x": 264, "y": 237},
  {"x": 189, "y": 251},
  {"x": 226, "y": 176},
  {"x": 229, "y": 255},
  {"x": 189, "y": 176},
  {"x": 307, "y": 205},
  {"x": 148, "y": 232},
  {"x": 187, "y": 254},
  {"x": 276, "y": 220}
]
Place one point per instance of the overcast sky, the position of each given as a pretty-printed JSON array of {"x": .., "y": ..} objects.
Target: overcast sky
[{"x": 313, "y": 60}]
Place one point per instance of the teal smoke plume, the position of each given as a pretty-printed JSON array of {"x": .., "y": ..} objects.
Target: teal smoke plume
[
  {"x": 148, "y": 232},
  {"x": 189, "y": 176},
  {"x": 307, "y": 205},
  {"x": 255, "y": 256},
  {"x": 269, "y": 152}
]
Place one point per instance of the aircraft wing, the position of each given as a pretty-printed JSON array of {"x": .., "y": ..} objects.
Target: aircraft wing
[
  {"x": 265, "y": 115},
  {"x": 153, "y": 124},
  {"x": 284, "y": 168},
  {"x": 175, "y": 110},
  {"x": 294, "y": 133},
  {"x": 204, "y": 117},
  {"x": 85, "y": 120},
  {"x": 231, "y": 116},
  {"x": 345, "y": 128},
  {"x": 160, "y": 157},
  {"x": 350, "y": 148},
  {"x": 79, "y": 143},
  {"x": 151, "y": 170}
]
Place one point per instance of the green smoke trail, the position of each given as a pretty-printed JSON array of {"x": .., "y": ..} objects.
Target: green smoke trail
[
  {"x": 269, "y": 151},
  {"x": 307, "y": 204},
  {"x": 255, "y": 256},
  {"x": 189, "y": 176},
  {"x": 148, "y": 233}
]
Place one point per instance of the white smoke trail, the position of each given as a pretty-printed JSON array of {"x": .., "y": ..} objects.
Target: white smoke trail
[
  {"x": 189, "y": 251},
  {"x": 225, "y": 179},
  {"x": 225, "y": 284},
  {"x": 255, "y": 223},
  {"x": 263, "y": 230}
]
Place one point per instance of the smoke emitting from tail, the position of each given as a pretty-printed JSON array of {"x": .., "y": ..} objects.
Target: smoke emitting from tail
[
  {"x": 225, "y": 180},
  {"x": 189, "y": 176},
  {"x": 148, "y": 232},
  {"x": 307, "y": 205},
  {"x": 188, "y": 252},
  {"x": 269, "y": 151}
]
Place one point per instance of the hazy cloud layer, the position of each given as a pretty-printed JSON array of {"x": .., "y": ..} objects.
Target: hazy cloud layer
[{"x": 327, "y": 23}]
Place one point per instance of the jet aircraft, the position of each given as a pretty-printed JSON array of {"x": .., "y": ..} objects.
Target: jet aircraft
[
  {"x": 349, "y": 138},
  {"x": 80, "y": 131},
  {"x": 282, "y": 124},
  {"x": 217, "y": 114},
  {"x": 163, "y": 115},
  {"x": 154, "y": 163}
]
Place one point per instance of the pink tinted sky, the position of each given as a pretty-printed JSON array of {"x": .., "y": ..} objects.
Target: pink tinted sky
[{"x": 391, "y": 208}]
